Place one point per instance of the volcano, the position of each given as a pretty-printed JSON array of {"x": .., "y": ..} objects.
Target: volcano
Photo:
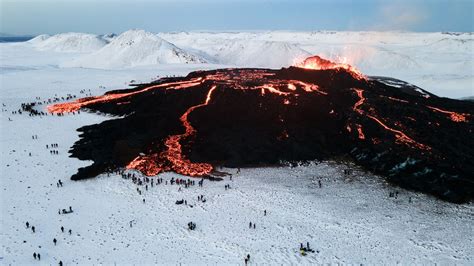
[{"x": 316, "y": 110}]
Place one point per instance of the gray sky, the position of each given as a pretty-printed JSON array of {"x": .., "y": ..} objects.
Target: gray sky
[{"x": 106, "y": 16}]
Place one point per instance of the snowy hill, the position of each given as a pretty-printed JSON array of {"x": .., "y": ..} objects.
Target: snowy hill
[
  {"x": 39, "y": 39},
  {"x": 69, "y": 42},
  {"x": 136, "y": 48},
  {"x": 258, "y": 53}
]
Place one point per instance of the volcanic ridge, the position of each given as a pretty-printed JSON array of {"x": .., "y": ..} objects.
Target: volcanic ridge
[{"x": 316, "y": 110}]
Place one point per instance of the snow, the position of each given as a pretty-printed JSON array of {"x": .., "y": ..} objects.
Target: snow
[
  {"x": 350, "y": 219},
  {"x": 69, "y": 42},
  {"x": 135, "y": 48},
  {"x": 441, "y": 63}
]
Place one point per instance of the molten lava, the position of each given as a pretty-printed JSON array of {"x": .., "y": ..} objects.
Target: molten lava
[
  {"x": 455, "y": 117},
  {"x": 318, "y": 63},
  {"x": 318, "y": 110},
  {"x": 152, "y": 165}
]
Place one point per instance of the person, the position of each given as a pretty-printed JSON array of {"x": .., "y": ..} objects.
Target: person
[
  {"x": 70, "y": 209},
  {"x": 250, "y": 225},
  {"x": 33, "y": 229},
  {"x": 34, "y": 255},
  {"x": 319, "y": 183},
  {"x": 301, "y": 246},
  {"x": 265, "y": 213},
  {"x": 62, "y": 229},
  {"x": 27, "y": 225},
  {"x": 254, "y": 226},
  {"x": 39, "y": 256},
  {"x": 70, "y": 231},
  {"x": 55, "y": 241},
  {"x": 60, "y": 263},
  {"x": 307, "y": 246}
]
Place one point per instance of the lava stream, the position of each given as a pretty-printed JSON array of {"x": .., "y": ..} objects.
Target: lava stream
[
  {"x": 399, "y": 135},
  {"x": 455, "y": 117},
  {"x": 83, "y": 102},
  {"x": 149, "y": 165}
]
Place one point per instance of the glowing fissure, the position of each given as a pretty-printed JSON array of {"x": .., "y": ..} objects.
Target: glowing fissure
[
  {"x": 399, "y": 135},
  {"x": 360, "y": 132},
  {"x": 154, "y": 164},
  {"x": 455, "y": 117},
  {"x": 396, "y": 99},
  {"x": 308, "y": 87},
  {"x": 271, "y": 89}
]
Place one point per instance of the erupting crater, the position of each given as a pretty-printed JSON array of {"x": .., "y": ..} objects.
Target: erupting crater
[{"x": 316, "y": 110}]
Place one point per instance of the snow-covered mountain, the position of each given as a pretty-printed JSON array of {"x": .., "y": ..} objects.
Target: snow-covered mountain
[
  {"x": 440, "y": 61},
  {"x": 255, "y": 53},
  {"x": 136, "y": 48},
  {"x": 69, "y": 42}
]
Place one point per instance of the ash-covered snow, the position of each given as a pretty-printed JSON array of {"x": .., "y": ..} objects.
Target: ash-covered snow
[{"x": 350, "y": 219}]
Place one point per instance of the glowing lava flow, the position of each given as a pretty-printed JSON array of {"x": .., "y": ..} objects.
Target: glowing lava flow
[
  {"x": 455, "y": 117},
  {"x": 399, "y": 135},
  {"x": 318, "y": 63},
  {"x": 80, "y": 103},
  {"x": 150, "y": 165}
]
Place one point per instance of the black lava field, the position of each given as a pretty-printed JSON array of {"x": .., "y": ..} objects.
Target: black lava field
[{"x": 263, "y": 117}]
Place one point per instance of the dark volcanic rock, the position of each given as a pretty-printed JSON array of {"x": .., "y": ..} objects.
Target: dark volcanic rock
[{"x": 251, "y": 117}]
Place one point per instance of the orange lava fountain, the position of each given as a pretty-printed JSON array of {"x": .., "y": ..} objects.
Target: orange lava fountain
[{"x": 318, "y": 63}]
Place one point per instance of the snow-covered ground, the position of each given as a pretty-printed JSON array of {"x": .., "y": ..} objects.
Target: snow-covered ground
[
  {"x": 442, "y": 63},
  {"x": 348, "y": 220}
]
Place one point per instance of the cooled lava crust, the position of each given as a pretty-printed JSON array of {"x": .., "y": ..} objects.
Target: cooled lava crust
[{"x": 263, "y": 117}]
